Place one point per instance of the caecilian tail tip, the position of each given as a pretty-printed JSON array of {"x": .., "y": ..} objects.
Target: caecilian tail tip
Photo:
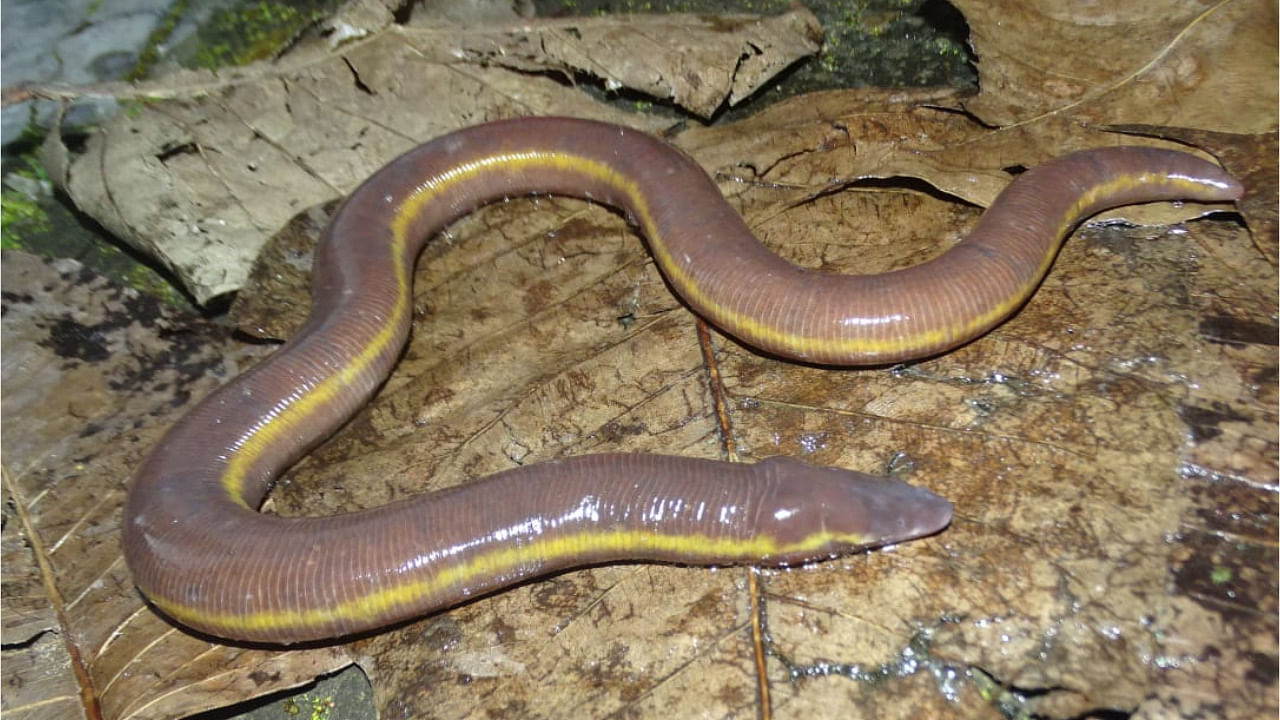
[
  {"x": 1233, "y": 189},
  {"x": 1217, "y": 185}
]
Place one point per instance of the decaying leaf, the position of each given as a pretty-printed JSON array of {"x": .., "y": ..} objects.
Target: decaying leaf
[
  {"x": 698, "y": 63},
  {"x": 96, "y": 373},
  {"x": 38, "y": 672},
  {"x": 1043, "y": 58},
  {"x": 1111, "y": 450},
  {"x": 201, "y": 180}
]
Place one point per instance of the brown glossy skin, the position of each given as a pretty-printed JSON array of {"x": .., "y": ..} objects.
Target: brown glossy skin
[{"x": 201, "y": 553}]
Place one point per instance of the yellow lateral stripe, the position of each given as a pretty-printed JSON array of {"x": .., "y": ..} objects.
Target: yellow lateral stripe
[
  {"x": 269, "y": 431},
  {"x": 499, "y": 561}
]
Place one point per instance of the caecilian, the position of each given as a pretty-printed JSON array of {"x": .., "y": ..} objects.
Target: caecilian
[{"x": 201, "y": 553}]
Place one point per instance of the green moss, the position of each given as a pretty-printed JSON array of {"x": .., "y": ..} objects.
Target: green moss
[
  {"x": 253, "y": 32},
  {"x": 21, "y": 215},
  {"x": 38, "y": 223},
  {"x": 316, "y": 708},
  {"x": 159, "y": 36}
]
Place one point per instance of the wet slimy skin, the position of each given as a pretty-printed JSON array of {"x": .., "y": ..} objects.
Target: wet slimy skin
[{"x": 200, "y": 552}]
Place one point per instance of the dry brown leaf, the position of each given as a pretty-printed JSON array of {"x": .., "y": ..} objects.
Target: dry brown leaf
[
  {"x": 824, "y": 142},
  {"x": 1039, "y": 58},
  {"x": 698, "y": 63},
  {"x": 1111, "y": 451},
  {"x": 1177, "y": 64},
  {"x": 201, "y": 179},
  {"x": 38, "y": 672},
  {"x": 95, "y": 373},
  {"x": 28, "y": 611}
]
